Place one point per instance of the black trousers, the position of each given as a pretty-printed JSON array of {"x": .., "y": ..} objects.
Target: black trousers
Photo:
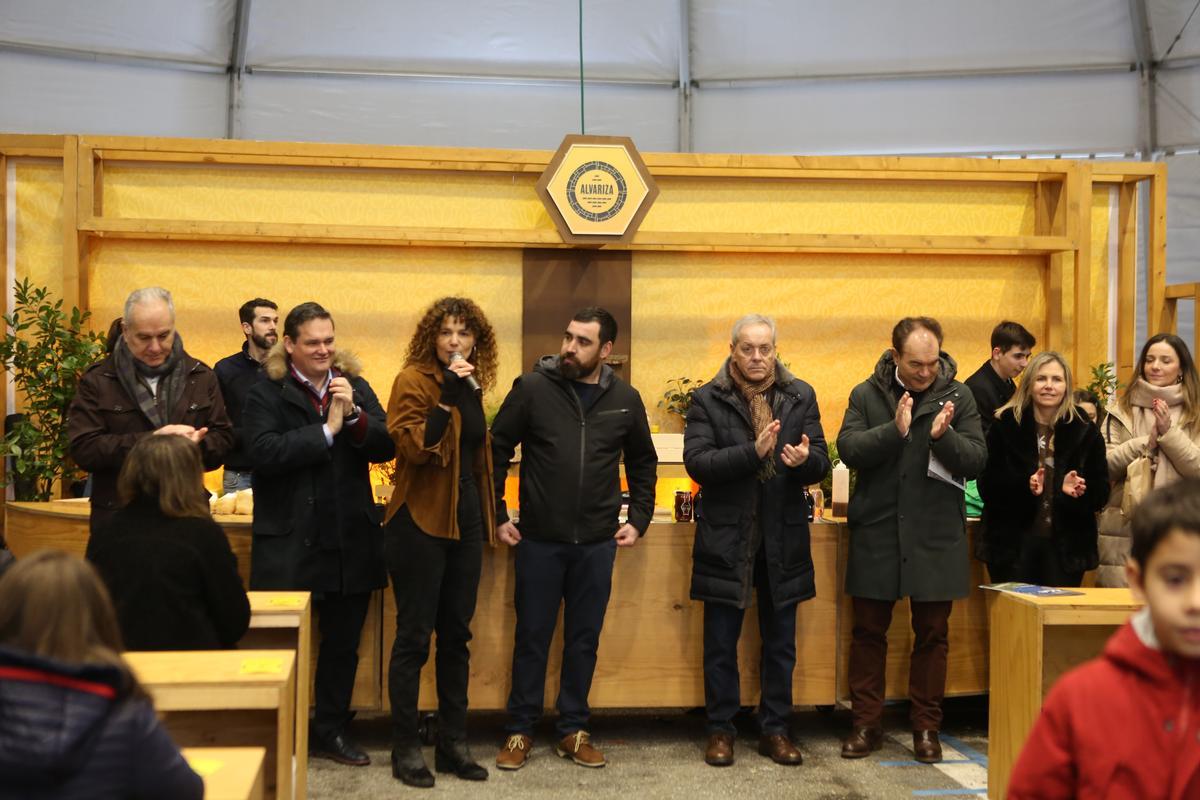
[
  {"x": 578, "y": 576},
  {"x": 435, "y": 582},
  {"x": 340, "y": 618},
  {"x": 1037, "y": 563},
  {"x": 722, "y": 627}
]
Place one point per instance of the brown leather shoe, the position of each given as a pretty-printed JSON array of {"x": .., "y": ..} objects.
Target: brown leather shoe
[
  {"x": 779, "y": 748},
  {"x": 926, "y": 747},
  {"x": 577, "y": 746},
  {"x": 515, "y": 752},
  {"x": 862, "y": 742},
  {"x": 720, "y": 750}
]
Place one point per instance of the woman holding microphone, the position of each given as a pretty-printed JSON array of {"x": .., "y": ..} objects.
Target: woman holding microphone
[
  {"x": 1045, "y": 479},
  {"x": 440, "y": 514}
]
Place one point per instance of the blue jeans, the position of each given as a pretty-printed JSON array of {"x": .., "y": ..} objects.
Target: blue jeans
[
  {"x": 722, "y": 627},
  {"x": 548, "y": 574},
  {"x": 234, "y": 481}
]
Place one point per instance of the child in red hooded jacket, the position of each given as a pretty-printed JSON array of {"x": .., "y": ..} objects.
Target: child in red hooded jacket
[{"x": 1127, "y": 724}]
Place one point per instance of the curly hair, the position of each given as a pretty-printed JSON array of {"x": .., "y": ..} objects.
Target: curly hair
[{"x": 422, "y": 348}]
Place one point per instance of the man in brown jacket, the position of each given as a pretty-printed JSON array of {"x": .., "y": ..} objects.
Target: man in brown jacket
[{"x": 147, "y": 385}]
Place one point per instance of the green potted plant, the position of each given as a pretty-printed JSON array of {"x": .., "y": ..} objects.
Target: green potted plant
[
  {"x": 45, "y": 349},
  {"x": 1104, "y": 382},
  {"x": 677, "y": 399}
]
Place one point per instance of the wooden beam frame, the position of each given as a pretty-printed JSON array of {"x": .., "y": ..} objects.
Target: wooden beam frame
[
  {"x": 1170, "y": 319},
  {"x": 1062, "y": 193}
]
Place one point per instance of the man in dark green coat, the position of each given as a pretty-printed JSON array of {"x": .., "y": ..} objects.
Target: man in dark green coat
[{"x": 913, "y": 433}]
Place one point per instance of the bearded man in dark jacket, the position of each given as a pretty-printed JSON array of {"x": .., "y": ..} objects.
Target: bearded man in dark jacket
[
  {"x": 906, "y": 425},
  {"x": 147, "y": 384},
  {"x": 574, "y": 418},
  {"x": 753, "y": 442}
]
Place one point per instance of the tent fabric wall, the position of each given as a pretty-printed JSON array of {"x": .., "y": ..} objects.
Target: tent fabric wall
[{"x": 766, "y": 76}]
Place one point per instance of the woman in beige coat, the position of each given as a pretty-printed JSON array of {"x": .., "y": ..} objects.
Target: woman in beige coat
[{"x": 1158, "y": 418}]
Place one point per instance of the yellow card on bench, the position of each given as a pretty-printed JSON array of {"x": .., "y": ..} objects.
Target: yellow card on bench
[
  {"x": 261, "y": 666},
  {"x": 286, "y": 602},
  {"x": 205, "y": 766}
]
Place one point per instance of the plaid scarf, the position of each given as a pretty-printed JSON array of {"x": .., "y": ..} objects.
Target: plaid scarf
[
  {"x": 755, "y": 395},
  {"x": 132, "y": 375}
]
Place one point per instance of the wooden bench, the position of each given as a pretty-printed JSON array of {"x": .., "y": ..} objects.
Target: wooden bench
[
  {"x": 228, "y": 698},
  {"x": 229, "y": 773},
  {"x": 283, "y": 620},
  {"x": 1034, "y": 640}
]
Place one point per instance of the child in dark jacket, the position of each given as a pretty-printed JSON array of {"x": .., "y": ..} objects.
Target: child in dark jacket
[
  {"x": 74, "y": 723},
  {"x": 1126, "y": 725}
]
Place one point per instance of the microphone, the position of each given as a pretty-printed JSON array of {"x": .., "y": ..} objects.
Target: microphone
[{"x": 472, "y": 384}]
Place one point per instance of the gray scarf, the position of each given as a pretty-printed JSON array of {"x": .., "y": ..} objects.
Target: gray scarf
[{"x": 133, "y": 374}]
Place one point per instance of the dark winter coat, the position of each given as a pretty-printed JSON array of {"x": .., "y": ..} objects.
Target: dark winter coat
[
  {"x": 237, "y": 374},
  {"x": 737, "y": 512},
  {"x": 570, "y": 480},
  {"x": 71, "y": 732},
  {"x": 908, "y": 531},
  {"x": 174, "y": 580},
  {"x": 315, "y": 525},
  {"x": 104, "y": 423},
  {"x": 990, "y": 392},
  {"x": 1009, "y": 507}
]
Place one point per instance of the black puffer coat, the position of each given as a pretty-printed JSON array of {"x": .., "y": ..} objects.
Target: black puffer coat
[
  {"x": 737, "y": 512},
  {"x": 1009, "y": 507},
  {"x": 70, "y": 732}
]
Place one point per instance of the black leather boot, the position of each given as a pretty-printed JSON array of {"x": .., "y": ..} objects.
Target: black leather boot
[
  {"x": 408, "y": 766},
  {"x": 452, "y": 755}
]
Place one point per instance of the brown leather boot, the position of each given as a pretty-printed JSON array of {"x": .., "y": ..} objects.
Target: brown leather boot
[
  {"x": 720, "y": 750},
  {"x": 927, "y": 748},
  {"x": 779, "y": 748},
  {"x": 862, "y": 742},
  {"x": 577, "y": 746},
  {"x": 515, "y": 752}
]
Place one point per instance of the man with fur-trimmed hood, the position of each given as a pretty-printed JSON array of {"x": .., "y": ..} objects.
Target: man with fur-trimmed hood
[{"x": 312, "y": 429}]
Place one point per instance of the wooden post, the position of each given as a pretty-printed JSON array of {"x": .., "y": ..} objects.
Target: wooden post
[
  {"x": 1126, "y": 279},
  {"x": 1080, "y": 187},
  {"x": 1050, "y": 218},
  {"x": 1156, "y": 254}
]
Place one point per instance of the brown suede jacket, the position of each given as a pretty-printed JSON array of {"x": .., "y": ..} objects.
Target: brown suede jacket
[{"x": 427, "y": 477}]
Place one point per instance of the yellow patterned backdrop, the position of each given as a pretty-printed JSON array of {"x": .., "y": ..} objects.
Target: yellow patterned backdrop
[
  {"x": 38, "y": 222},
  {"x": 835, "y": 311}
]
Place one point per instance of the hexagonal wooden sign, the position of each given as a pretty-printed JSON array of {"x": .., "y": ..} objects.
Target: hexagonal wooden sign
[{"x": 597, "y": 189}]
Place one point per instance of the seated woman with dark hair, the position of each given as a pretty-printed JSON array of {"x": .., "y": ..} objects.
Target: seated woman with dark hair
[
  {"x": 169, "y": 567},
  {"x": 74, "y": 723}
]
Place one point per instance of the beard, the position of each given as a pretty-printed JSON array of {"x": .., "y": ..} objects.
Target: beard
[
  {"x": 262, "y": 342},
  {"x": 573, "y": 370}
]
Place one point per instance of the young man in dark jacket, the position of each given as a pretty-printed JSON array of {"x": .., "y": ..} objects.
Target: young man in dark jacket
[
  {"x": 314, "y": 428},
  {"x": 237, "y": 374},
  {"x": 753, "y": 442},
  {"x": 992, "y": 384},
  {"x": 148, "y": 384},
  {"x": 905, "y": 424},
  {"x": 574, "y": 419}
]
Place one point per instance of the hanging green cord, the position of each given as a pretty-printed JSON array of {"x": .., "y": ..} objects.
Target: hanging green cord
[{"x": 582, "y": 130}]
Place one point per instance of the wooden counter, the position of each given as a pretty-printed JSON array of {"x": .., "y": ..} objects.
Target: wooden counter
[
  {"x": 651, "y": 648},
  {"x": 237, "y": 698},
  {"x": 1034, "y": 641},
  {"x": 229, "y": 773}
]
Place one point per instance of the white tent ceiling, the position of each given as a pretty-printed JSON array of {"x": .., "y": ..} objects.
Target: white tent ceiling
[{"x": 1074, "y": 77}]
